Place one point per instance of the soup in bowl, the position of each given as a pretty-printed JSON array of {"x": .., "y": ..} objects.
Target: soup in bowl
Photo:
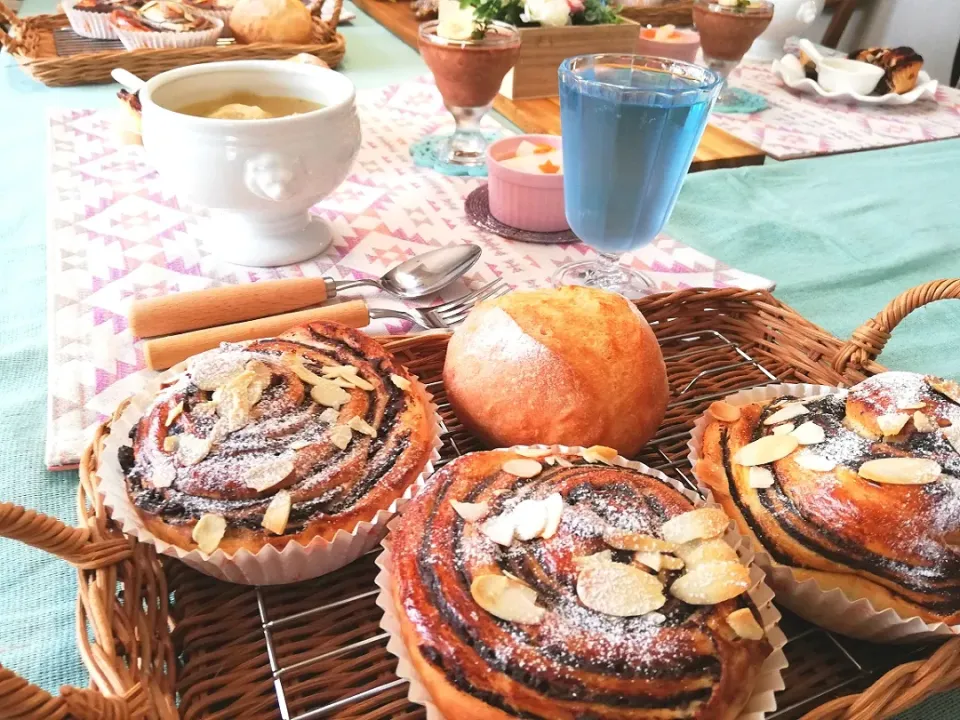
[{"x": 258, "y": 142}]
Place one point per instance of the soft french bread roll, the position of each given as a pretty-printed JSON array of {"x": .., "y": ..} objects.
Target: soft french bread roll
[{"x": 574, "y": 366}]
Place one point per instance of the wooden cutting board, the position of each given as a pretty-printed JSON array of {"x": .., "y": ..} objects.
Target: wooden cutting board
[{"x": 717, "y": 149}]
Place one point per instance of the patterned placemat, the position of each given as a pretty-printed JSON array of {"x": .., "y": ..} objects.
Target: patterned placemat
[
  {"x": 800, "y": 125},
  {"x": 116, "y": 233}
]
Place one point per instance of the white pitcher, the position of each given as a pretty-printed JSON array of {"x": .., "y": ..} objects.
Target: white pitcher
[{"x": 790, "y": 17}]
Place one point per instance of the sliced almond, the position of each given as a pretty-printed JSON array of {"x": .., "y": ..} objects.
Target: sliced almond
[
  {"x": 262, "y": 376},
  {"x": 268, "y": 473},
  {"x": 699, "y": 524},
  {"x": 209, "y": 531},
  {"x": 759, "y": 478},
  {"x": 787, "y": 412},
  {"x": 562, "y": 461},
  {"x": 212, "y": 369},
  {"x": 891, "y": 424},
  {"x": 815, "y": 463},
  {"x": 669, "y": 562},
  {"x": 507, "y": 598},
  {"x": 529, "y": 518},
  {"x": 952, "y": 434},
  {"x": 500, "y": 529},
  {"x": 599, "y": 453},
  {"x": 809, "y": 434},
  {"x": 767, "y": 449},
  {"x": 163, "y": 475},
  {"x": 191, "y": 449},
  {"x": 619, "y": 590},
  {"x": 233, "y": 401},
  {"x": 361, "y": 426},
  {"x": 174, "y": 414},
  {"x": 711, "y": 583},
  {"x": 601, "y": 558},
  {"x": 784, "y": 429},
  {"x": 919, "y": 405},
  {"x": 295, "y": 363},
  {"x": 949, "y": 388},
  {"x": 706, "y": 551},
  {"x": 745, "y": 625},
  {"x": 724, "y": 411},
  {"x": 638, "y": 542},
  {"x": 900, "y": 471},
  {"x": 923, "y": 424},
  {"x": 550, "y": 460},
  {"x": 522, "y": 467},
  {"x": 330, "y": 416},
  {"x": 341, "y": 435},
  {"x": 651, "y": 560},
  {"x": 341, "y": 382},
  {"x": 535, "y": 453},
  {"x": 554, "y": 505},
  {"x": 327, "y": 394},
  {"x": 471, "y": 512},
  {"x": 299, "y": 444},
  {"x": 171, "y": 443},
  {"x": 277, "y": 513},
  {"x": 712, "y": 475},
  {"x": 400, "y": 381},
  {"x": 339, "y": 370},
  {"x": 204, "y": 409},
  {"x": 359, "y": 382}
]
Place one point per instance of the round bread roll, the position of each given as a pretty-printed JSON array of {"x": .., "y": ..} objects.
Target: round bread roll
[
  {"x": 273, "y": 21},
  {"x": 574, "y": 366}
]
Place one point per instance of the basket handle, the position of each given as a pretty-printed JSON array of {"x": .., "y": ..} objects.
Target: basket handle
[
  {"x": 868, "y": 340},
  {"x": 8, "y": 22},
  {"x": 329, "y": 25},
  {"x": 34, "y": 703}
]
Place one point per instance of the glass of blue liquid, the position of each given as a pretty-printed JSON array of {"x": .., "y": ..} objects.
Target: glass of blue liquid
[{"x": 630, "y": 126}]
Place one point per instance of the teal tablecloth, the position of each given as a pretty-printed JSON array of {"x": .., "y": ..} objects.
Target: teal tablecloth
[{"x": 841, "y": 236}]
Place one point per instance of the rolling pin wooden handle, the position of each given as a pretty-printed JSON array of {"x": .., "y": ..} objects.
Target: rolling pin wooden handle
[
  {"x": 161, "y": 353},
  {"x": 184, "y": 311}
]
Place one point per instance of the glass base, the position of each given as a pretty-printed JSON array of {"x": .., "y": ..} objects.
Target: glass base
[
  {"x": 605, "y": 276},
  {"x": 467, "y": 149}
]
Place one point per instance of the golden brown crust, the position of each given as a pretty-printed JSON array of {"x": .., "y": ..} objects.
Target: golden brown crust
[
  {"x": 886, "y": 543},
  {"x": 577, "y": 662},
  {"x": 573, "y": 366},
  {"x": 332, "y": 489}
]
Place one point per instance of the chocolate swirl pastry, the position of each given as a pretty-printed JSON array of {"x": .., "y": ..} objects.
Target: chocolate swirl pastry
[
  {"x": 106, "y": 6},
  {"x": 279, "y": 440},
  {"x": 557, "y": 587},
  {"x": 159, "y": 16},
  {"x": 859, "y": 490}
]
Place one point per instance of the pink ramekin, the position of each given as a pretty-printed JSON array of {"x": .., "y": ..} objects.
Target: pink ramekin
[
  {"x": 524, "y": 200},
  {"x": 684, "y": 50}
]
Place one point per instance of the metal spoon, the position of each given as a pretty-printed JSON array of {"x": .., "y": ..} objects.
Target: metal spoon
[{"x": 419, "y": 276}]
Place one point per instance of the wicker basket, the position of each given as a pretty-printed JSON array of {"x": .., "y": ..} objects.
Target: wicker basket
[
  {"x": 150, "y": 629},
  {"x": 672, "y": 12},
  {"x": 32, "y": 42}
]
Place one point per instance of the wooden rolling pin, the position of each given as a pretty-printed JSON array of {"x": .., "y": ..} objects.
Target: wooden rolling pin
[
  {"x": 184, "y": 311},
  {"x": 165, "y": 352}
]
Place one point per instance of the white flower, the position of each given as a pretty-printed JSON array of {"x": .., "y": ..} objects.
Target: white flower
[{"x": 549, "y": 13}]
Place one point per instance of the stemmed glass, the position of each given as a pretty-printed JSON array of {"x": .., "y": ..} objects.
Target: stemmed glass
[{"x": 630, "y": 126}]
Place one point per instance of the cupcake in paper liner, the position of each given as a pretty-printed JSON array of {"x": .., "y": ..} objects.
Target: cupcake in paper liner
[
  {"x": 91, "y": 18},
  {"x": 850, "y": 497},
  {"x": 569, "y": 578},
  {"x": 161, "y": 24},
  {"x": 214, "y": 9},
  {"x": 272, "y": 461}
]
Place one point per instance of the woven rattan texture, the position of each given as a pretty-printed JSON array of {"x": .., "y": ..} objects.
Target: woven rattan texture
[
  {"x": 148, "y": 626},
  {"x": 31, "y": 41}
]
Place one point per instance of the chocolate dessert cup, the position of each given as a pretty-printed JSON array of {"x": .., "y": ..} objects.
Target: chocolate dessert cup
[
  {"x": 468, "y": 74},
  {"x": 726, "y": 33}
]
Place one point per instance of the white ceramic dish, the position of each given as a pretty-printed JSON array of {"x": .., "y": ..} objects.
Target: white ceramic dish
[
  {"x": 259, "y": 178},
  {"x": 790, "y": 71}
]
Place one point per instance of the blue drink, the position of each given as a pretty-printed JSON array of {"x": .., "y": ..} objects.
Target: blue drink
[{"x": 630, "y": 126}]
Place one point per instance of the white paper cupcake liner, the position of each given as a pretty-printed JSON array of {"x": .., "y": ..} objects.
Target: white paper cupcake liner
[
  {"x": 138, "y": 40},
  {"x": 769, "y": 681},
  {"x": 223, "y": 15},
  {"x": 830, "y": 609},
  {"x": 94, "y": 25},
  {"x": 268, "y": 566}
]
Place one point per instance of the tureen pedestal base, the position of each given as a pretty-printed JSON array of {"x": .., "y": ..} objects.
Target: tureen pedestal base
[{"x": 255, "y": 241}]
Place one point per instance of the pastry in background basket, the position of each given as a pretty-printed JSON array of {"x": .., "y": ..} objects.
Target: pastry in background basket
[
  {"x": 219, "y": 9},
  {"x": 164, "y": 24},
  {"x": 278, "y": 441},
  {"x": 901, "y": 67},
  {"x": 274, "y": 21},
  {"x": 91, "y": 18},
  {"x": 564, "y": 583},
  {"x": 858, "y": 490},
  {"x": 572, "y": 365}
]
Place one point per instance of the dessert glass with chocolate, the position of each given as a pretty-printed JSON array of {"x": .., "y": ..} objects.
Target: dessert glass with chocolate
[
  {"x": 468, "y": 73},
  {"x": 727, "y": 30}
]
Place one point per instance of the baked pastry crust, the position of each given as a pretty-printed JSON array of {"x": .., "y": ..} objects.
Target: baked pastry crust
[
  {"x": 891, "y": 544},
  {"x": 331, "y": 488},
  {"x": 159, "y": 16},
  {"x": 680, "y": 661}
]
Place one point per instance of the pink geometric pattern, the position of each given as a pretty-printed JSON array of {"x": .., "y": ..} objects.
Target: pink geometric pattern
[
  {"x": 802, "y": 125},
  {"x": 117, "y": 233}
]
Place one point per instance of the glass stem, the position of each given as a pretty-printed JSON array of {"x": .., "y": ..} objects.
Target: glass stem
[
  {"x": 608, "y": 272},
  {"x": 467, "y": 144}
]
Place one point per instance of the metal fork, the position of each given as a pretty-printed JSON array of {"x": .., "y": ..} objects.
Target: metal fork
[{"x": 449, "y": 313}]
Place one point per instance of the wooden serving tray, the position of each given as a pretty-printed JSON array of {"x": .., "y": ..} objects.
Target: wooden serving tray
[
  {"x": 49, "y": 51},
  {"x": 718, "y": 149},
  {"x": 156, "y": 634}
]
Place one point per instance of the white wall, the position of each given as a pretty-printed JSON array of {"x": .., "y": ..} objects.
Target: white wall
[{"x": 931, "y": 27}]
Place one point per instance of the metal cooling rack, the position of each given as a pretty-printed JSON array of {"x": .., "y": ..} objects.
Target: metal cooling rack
[
  {"x": 68, "y": 43},
  {"x": 820, "y": 662}
]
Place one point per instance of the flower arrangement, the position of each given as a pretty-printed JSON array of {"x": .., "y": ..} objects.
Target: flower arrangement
[{"x": 540, "y": 13}]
